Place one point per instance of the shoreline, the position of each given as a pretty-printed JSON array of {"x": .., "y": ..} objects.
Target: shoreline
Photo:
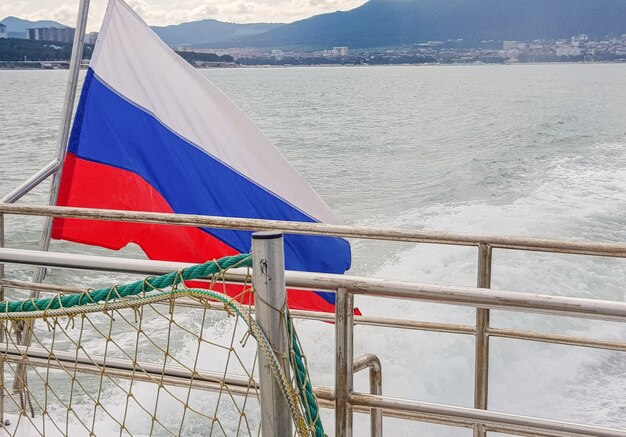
[{"x": 483, "y": 64}]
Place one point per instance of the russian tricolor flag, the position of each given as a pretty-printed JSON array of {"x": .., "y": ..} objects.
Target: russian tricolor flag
[{"x": 153, "y": 134}]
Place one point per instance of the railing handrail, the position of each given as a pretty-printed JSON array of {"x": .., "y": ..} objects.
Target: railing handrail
[
  {"x": 361, "y": 232},
  {"x": 446, "y": 294},
  {"x": 528, "y": 425},
  {"x": 383, "y": 322}
]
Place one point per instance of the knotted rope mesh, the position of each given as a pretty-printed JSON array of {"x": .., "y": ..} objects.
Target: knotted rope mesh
[{"x": 148, "y": 358}]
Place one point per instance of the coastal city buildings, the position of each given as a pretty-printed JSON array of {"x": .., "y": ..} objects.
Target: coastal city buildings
[
  {"x": 577, "y": 48},
  {"x": 335, "y": 52},
  {"x": 54, "y": 34}
]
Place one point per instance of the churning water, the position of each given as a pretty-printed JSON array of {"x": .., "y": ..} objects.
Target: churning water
[{"x": 532, "y": 150}]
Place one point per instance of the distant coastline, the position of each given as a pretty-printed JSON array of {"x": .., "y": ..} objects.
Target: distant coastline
[
  {"x": 5, "y": 68},
  {"x": 29, "y": 54}
]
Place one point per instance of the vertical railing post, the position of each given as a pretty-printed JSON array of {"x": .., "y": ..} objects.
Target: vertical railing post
[
  {"x": 270, "y": 302},
  {"x": 481, "y": 382},
  {"x": 344, "y": 324}
]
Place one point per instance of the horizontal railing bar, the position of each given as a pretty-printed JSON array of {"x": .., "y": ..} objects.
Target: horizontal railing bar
[
  {"x": 454, "y": 422},
  {"x": 506, "y": 300},
  {"x": 17, "y": 353},
  {"x": 449, "y": 295},
  {"x": 387, "y": 322},
  {"x": 501, "y": 420},
  {"x": 524, "y": 433},
  {"x": 415, "y": 325},
  {"x": 30, "y": 183},
  {"x": 390, "y": 234},
  {"x": 47, "y": 288},
  {"x": 296, "y": 314},
  {"x": 363, "y": 320},
  {"x": 177, "y": 381},
  {"x": 446, "y": 420},
  {"x": 444, "y": 328},
  {"x": 99, "y": 263},
  {"x": 464, "y": 296},
  {"x": 558, "y": 339},
  {"x": 326, "y": 399}
]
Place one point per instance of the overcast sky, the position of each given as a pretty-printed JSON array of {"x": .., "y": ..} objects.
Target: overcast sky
[{"x": 163, "y": 12}]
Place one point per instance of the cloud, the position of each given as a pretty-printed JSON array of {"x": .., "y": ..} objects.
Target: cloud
[
  {"x": 7, "y": 8},
  {"x": 326, "y": 3},
  {"x": 65, "y": 14},
  {"x": 162, "y": 12}
]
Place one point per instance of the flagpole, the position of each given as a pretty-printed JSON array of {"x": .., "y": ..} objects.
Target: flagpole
[{"x": 68, "y": 109}]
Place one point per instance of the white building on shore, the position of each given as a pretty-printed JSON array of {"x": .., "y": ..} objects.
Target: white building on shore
[
  {"x": 340, "y": 51},
  {"x": 567, "y": 51},
  {"x": 3, "y": 31}
]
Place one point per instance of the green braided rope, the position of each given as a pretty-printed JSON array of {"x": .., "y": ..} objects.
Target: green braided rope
[
  {"x": 132, "y": 289},
  {"x": 304, "y": 382}
]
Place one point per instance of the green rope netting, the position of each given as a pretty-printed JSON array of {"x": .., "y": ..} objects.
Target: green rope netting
[{"x": 303, "y": 382}]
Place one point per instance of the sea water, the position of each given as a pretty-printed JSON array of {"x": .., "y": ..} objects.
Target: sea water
[{"x": 527, "y": 150}]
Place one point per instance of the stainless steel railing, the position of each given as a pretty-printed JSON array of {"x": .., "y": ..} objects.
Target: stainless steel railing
[
  {"x": 346, "y": 401},
  {"x": 363, "y": 232},
  {"x": 352, "y": 286}
]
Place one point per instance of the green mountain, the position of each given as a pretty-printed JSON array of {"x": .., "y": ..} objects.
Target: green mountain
[
  {"x": 380, "y": 23},
  {"x": 209, "y": 31},
  {"x": 16, "y": 27}
]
